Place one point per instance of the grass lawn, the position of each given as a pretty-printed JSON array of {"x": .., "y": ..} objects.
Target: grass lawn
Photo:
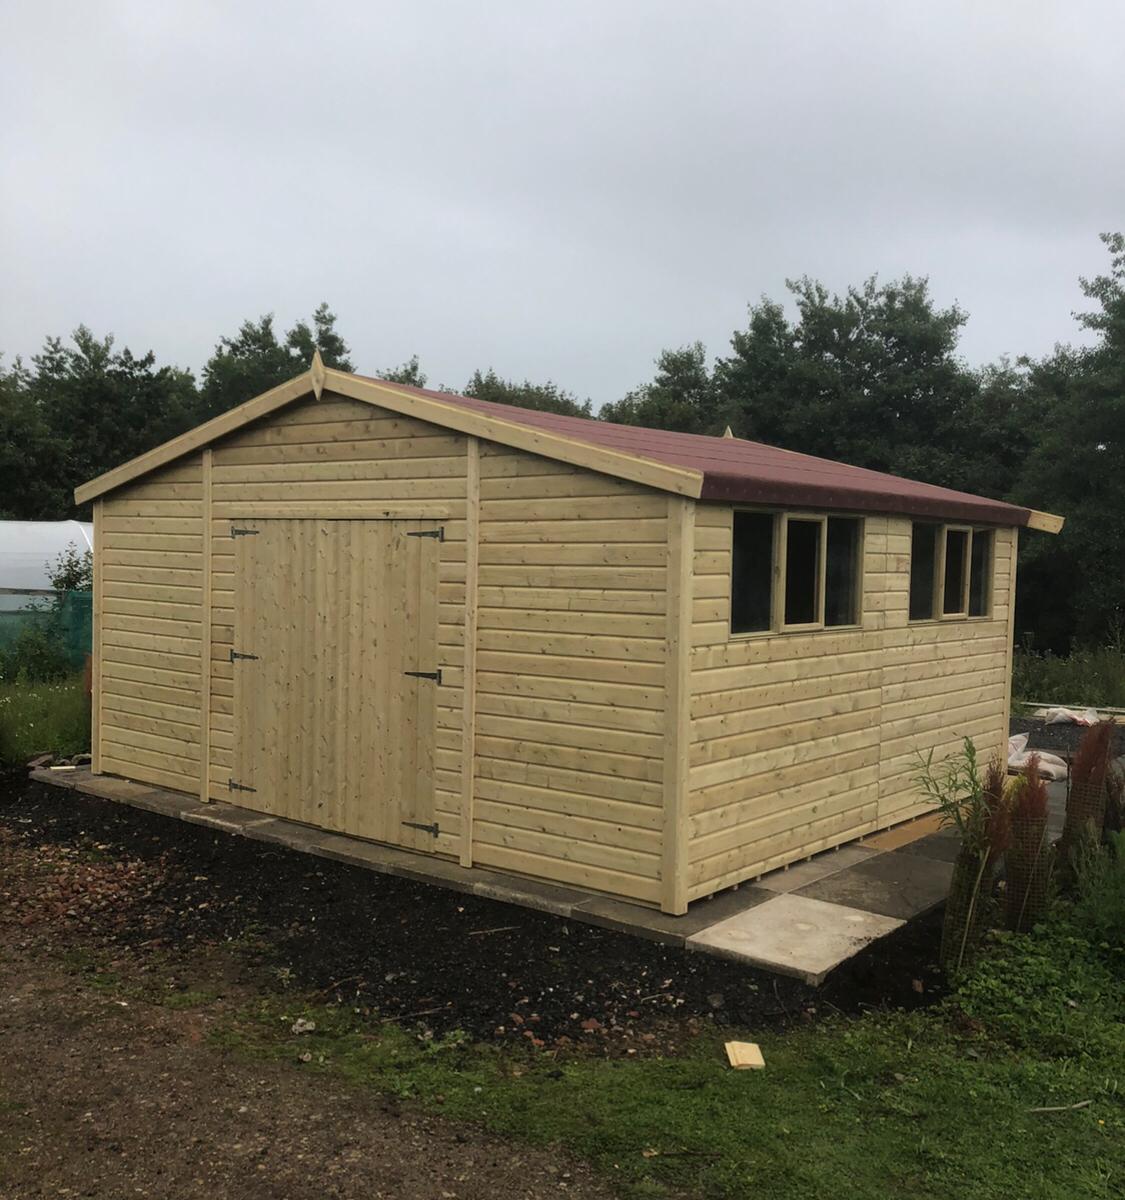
[
  {"x": 935, "y": 1103},
  {"x": 41, "y": 717}
]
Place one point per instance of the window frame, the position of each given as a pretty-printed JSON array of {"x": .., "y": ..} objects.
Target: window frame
[
  {"x": 937, "y": 594},
  {"x": 781, "y": 519}
]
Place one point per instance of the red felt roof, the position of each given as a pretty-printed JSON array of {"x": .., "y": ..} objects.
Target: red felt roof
[{"x": 737, "y": 470}]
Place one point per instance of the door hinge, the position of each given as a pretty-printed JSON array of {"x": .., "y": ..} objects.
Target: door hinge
[
  {"x": 235, "y": 532},
  {"x": 438, "y": 533},
  {"x": 434, "y": 675},
  {"x": 430, "y": 829},
  {"x": 235, "y": 655},
  {"x": 239, "y": 787}
]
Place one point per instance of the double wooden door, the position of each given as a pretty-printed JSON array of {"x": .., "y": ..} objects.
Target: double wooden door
[{"x": 335, "y": 663}]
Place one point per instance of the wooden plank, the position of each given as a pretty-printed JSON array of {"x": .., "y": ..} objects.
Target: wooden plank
[
  {"x": 677, "y": 707},
  {"x": 96, "y": 647},
  {"x": 469, "y": 680},
  {"x": 205, "y": 635},
  {"x": 1045, "y": 522}
]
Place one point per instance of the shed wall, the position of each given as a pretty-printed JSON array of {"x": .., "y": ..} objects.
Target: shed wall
[
  {"x": 570, "y": 645},
  {"x": 150, "y": 588},
  {"x": 570, "y": 674},
  {"x": 802, "y": 741}
]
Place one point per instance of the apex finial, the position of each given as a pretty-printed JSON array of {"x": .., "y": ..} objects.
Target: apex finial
[
  {"x": 316, "y": 370},
  {"x": 728, "y": 432}
]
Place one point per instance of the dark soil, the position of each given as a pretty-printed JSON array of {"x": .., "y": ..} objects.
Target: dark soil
[
  {"x": 129, "y": 881},
  {"x": 118, "y": 1099}
]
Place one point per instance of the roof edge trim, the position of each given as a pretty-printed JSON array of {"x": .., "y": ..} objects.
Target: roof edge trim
[{"x": 1045, "y": 522}]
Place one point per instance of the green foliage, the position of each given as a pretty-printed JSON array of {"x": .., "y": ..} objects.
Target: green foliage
[
  {"x": 1075, "y": 583},
  {"x": 1099, "y": 905},
  {"x": 682, "y": 397},
  {"x": 38, "y": 652},
  {"x": 409, "y": 373},
  {"x": 546, "y": 397},
  {"x": 1052, "y": 991},
  {"x": 1087, "y": 677},
  {"x": 255, "y": 360},
  {"x": 72, "y": 570},
  {"x": 43, "y": 717}
]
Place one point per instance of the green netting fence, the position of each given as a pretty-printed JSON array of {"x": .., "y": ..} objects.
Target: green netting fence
[{"x": 44, "y": 637}]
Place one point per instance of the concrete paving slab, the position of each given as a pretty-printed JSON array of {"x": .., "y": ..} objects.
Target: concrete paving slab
[
  {"x": 894, "y": 884},
  {"x": 795, "y": 935},
  {"x": 225, "y": 817},
  {"x": 944, "y": 846},
  {"x": 659, "y": 927},
  {"x": 791, "y": 878},
  {"x": 547, "y": 897}
]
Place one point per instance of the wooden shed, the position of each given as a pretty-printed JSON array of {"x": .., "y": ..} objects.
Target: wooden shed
[{"x": 644, "y": 663}]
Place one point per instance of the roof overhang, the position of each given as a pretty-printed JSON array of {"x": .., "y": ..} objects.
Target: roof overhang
[{"x": 686, "y": 481}]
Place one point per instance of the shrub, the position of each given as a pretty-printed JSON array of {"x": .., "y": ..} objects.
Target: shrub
[
  {"x": 43, "y": 718},
  {"x": 1099, "y": 904},
  {"x": 1086, "y": 677}
]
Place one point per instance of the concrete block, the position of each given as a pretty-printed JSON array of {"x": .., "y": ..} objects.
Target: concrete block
[
  {"x": 823, "y": 865},
  {"x": 794, "y": 935}
]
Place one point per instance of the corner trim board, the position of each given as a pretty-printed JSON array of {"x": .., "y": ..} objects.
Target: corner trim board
[
  {"x": 469, "y": 680},
  {"x": 677, "y": 705}
]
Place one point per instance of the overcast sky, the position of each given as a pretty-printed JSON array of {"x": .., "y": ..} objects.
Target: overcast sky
[{"x": 558, "y": 190}]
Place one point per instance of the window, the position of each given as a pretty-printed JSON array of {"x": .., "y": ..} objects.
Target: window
[
  {"x": 793, "y": 572},
  {"x": 752, "y": 572},
  {"x": 950, "y": 571},
  {"x": 841, "y": 582},
  {"x": 955, "y": 574},
  {"x": 802, "y": 571},
  {"x": 923, "y": 555},
  {"x": 980, "y": 573}
]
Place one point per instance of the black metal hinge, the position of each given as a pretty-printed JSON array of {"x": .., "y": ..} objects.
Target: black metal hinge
[
  {"x": 235, "y": 655},
  {"x": 239, "y": 787},
  {"x": 434, "y": 675},
  {"x": 439, "y": 533},
  {"x": 430, "y": 829},
  {"x": 243, "y": 532}
]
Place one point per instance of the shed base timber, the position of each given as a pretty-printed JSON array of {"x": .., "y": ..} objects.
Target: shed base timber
[{"x": 787, "y": 933}]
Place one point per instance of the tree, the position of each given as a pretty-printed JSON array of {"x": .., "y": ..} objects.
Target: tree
[
  {"x": 682, "y": 396},
  {"x": 1074, "y": 584},
  {"x": 255, "y": 360},
  {"x": 101, "y": 407},
  {"x": 547, "y": 397},
  {"x": 869, "y": 378},
  {"x": 33, "y": 486},
  {"x": 409, "y": 373}
]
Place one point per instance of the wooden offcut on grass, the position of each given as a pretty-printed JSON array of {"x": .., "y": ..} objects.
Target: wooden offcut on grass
[{"x": 40, "y": 718}]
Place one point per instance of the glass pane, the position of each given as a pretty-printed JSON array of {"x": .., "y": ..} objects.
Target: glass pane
[
  {"x": 923, "y": 543},
  {"x": 980, "y": 572},
  {"x": 842, "y": 571},
  {"x": 956, "y": 543},
  {"x": 752, "y": 573},
  {"x": 802, "y": 572}
]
